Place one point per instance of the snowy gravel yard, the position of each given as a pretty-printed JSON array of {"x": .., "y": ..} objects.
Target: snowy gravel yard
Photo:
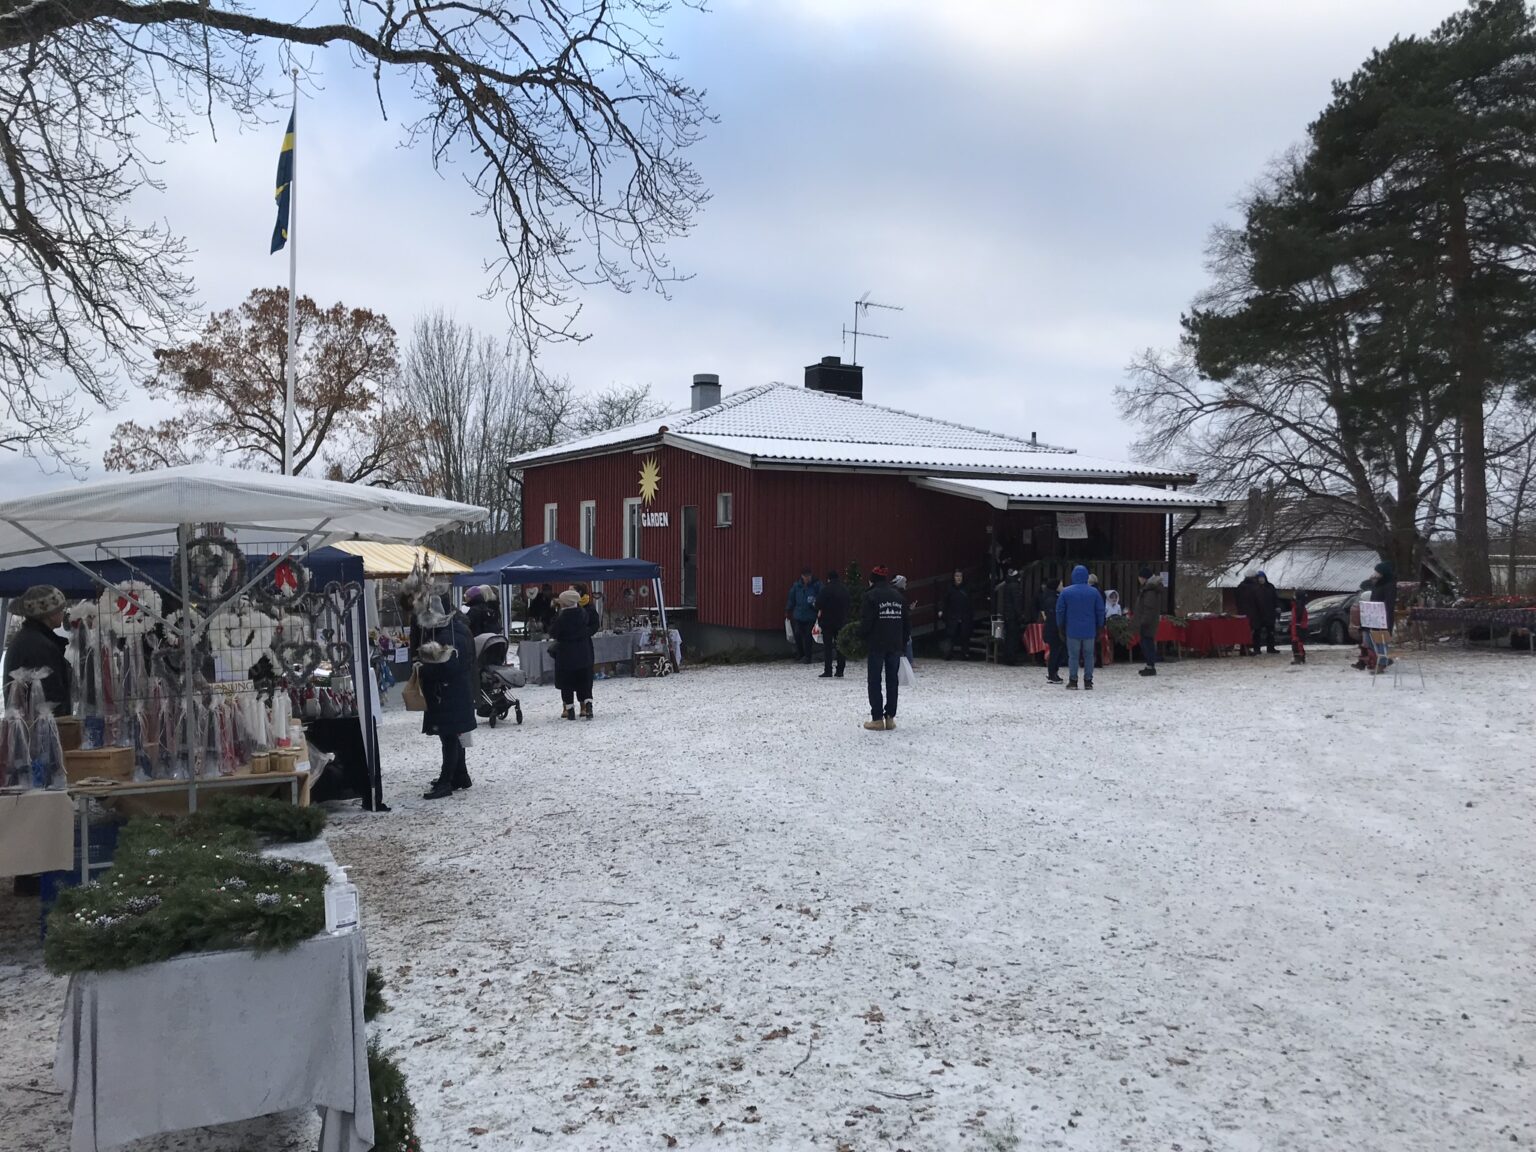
[{"x": 1239, "y": 906}]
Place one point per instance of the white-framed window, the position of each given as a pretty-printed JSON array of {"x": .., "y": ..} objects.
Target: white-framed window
[
  {"x": 551, "y": 522},
  {"x": 724, "y": 510},
  {"x": 632, "y": 508},
  {"x": 589, "y": 527}
]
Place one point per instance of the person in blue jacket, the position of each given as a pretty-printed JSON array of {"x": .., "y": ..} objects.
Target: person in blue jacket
[
  {"x": 800, "y": 611},
  {"x": 1080, "y": 617}
]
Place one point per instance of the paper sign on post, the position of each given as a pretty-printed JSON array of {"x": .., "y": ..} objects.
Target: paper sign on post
[
  {"x": 402, "y": 655},
  {"x": 757, "y": 585},
  {"x": 1373, "y": 615},
  {"x": 1072, "y": 525}
]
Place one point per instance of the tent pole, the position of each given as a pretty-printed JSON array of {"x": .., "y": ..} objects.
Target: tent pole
[
  {"x": 660, "y": 603},
  {"x": 184, "y": 534}
]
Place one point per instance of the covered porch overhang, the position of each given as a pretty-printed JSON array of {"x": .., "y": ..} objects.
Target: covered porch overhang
[{"x": 1065, "y": 496}]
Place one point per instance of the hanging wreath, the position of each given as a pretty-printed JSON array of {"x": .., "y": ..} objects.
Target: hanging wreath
[
  {"x": 285, "y": 586},
  {"x": 241, "y": 627},
  {"x": 130, "y": 609},
  {"x": 215, "y": 566}
]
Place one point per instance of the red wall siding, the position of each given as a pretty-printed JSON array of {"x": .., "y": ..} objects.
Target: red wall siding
[
  {"x": 782, "y": 522},
  {"x": 827, "y": 519}
]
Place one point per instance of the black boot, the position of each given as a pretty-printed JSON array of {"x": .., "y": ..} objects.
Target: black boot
[
  {"x": 441, "y": 790},
  {"x": 1149, "y": 670},
  {"x": 462, "y": 781},
  {"x": 586, "y": 709}
]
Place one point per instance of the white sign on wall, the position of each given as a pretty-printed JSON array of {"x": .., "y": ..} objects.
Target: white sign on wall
[
  {"x": 654, "y": 520},
  {"x": 757, "y": 585},
  {"x": 1373, "y": 614},
  {"x": 1072, "y": 525}
]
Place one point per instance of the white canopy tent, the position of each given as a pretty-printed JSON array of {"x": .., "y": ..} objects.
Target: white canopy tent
[
  {"x": 147, "y": 507},
  {"x": 116, "y": 517}
]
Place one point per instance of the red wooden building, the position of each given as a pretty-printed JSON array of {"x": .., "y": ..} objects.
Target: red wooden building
[{"x": 734, "y": 497}]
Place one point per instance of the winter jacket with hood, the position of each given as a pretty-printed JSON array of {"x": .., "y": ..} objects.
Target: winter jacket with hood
[
  {"x": 1047, "y": 609},
  {"x": 450, "y": 687},
  {"x": 1080, "y": 608},
  {"x": 1149, "y": 604},
  {"x": 801, "y": 602},
  {"x": 1010, "y": 598},
  {"x": 482, "y": 618},
  {"x": 886, "y": 623},
  {"x": 1383, "y": 590},
  {"x": 572, "y": 633}
]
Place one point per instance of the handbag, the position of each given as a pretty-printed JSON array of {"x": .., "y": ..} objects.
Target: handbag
[{"x": 412, "y": 695}]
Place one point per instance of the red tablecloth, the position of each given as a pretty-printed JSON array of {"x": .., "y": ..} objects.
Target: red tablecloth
[
  {"x": 1211, "y": 633},
  {"x": 1167, "y": 633},
  {"x": 1034, "y": 639}
]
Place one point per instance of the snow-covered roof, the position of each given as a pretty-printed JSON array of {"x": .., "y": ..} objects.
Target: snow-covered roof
[
  {"x": 1311, "y": 569},
  {"x": 1006, "y": 494},
  {"x": 780, "y": 425}
]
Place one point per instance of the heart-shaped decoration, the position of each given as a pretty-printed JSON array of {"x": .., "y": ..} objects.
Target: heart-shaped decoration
[
  {"x": 339, "y": 653},
  {"x": 344, "y": 597},
  {"x": 298, "y": 658}
]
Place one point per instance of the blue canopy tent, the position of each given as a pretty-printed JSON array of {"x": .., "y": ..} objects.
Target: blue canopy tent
[
  {"x": 554, "y": 561},
  {"x": 358, "y": 770}
]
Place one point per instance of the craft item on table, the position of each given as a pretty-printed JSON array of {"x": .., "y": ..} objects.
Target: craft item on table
[
  {"x": 17, "y": 748},
  {"x": 282, "y": 715},
  {"x": 129, "y": 610},
  {"x": 47, "y": 752},
  {"x": 215, "y": 565}
]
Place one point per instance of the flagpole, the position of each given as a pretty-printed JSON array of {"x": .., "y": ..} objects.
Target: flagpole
[{"x": 293, "y": 286}]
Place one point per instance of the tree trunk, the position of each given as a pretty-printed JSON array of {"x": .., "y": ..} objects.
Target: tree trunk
[{"x": 1471, "y": 388}]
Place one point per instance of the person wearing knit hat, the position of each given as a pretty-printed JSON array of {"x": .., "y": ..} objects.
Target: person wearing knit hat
[
  {"x": 38, "y": 646},
  {"x": 572, "y": 635},
  {"x": 484, "y": 615},
  {"x": 1148, "y": 614}
]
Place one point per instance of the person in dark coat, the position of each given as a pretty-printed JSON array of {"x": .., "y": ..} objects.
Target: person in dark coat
[
  {"x": 589, "y": 603},
  {"x": 833, "y": 606},
  {"x": 800, "y": 611},
  {"x": 1149, "y": 614},
  {"x": 484, "y": 615},
  {"x": 572, "y": 633},
  {"x": 1383, "y": 589},
  {"x": 447, "y": 659},
  {"x": 957, "y": 616},
  {"x": 542, "y": 610},
  {"x": 1010, "y": 606},
  {"x": 37, "y": 645},
  {"x": 886, "y": 626},
  {"x": 1266, "y": 610},
  {"x": 1056, "y": 647}
]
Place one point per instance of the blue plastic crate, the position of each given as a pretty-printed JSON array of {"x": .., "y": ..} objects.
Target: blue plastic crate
[{"x": 102, "y": 846}]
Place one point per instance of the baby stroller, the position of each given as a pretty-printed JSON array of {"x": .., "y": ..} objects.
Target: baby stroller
[{"x": 494, "y": 681}]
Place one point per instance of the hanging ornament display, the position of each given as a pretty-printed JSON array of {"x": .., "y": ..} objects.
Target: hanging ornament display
[
  {"x": 215, "y": 566},
  {"x": 129, "y": 610}
]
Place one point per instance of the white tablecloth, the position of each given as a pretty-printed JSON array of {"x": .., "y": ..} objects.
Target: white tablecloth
[
  {"x": 37, "y": 833},
  {"x": 219, "y": 1037}
]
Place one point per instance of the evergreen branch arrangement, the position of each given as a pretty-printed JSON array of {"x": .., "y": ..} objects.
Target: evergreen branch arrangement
[
  {"x": 394, "y": 1116},
  {"x": 1120, "y": 630},
  {"x": 374, "y": 1004},
  {"x": 194, "y": 885}
]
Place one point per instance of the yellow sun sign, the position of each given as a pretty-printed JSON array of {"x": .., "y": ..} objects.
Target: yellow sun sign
[{"x": 650, "y": 479}]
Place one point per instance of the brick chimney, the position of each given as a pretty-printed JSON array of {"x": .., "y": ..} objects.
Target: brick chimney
[{"x": 832, "y": 375}]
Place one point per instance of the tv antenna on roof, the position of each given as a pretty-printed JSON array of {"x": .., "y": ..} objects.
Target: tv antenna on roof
[{"x": 861, "y": 306}]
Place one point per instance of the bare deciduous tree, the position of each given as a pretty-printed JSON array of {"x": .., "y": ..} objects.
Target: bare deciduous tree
[
  {"x": 573, "y": 130},
  {"x": 475, "y": 403},
  {"x": 229, "y": 388}
]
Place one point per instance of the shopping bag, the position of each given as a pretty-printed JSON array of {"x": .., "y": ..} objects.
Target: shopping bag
[
  {"x": 904, "y": 675},
  {"x": 816, "y": 633},
  {"x": 412, "y": 696},
  {"x": 789, "y": 631}
]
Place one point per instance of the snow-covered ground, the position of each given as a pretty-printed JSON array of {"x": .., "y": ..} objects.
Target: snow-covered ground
[{"x": 1240, "y": 906}]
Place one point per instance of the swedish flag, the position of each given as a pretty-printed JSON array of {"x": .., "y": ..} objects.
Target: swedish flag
[{"x": 284, "y": 187}]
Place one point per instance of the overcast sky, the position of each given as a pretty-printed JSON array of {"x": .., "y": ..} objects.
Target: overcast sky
[{"x": 1031, "y": 180}]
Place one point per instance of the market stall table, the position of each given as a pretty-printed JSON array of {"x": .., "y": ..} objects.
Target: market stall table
[
  {"x": 82, "y": 794},
  {"x": 1208, "y": 635},
  {"x": 607, "y": 648},
  {"x": 36, "y": 832},
  {"x": 221, "y": 1037}
]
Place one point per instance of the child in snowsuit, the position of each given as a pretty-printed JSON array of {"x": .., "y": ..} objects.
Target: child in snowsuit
[{"x": 1299, "y": 623}]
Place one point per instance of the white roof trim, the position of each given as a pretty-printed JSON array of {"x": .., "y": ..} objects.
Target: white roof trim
[{"x": 1045, "y": 494}]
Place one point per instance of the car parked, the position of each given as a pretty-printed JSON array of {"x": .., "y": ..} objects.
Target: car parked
[{"x": 1328, "y": 619}]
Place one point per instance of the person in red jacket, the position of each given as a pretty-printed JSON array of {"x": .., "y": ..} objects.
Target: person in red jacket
[{"x": 1299, "y": 623}]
